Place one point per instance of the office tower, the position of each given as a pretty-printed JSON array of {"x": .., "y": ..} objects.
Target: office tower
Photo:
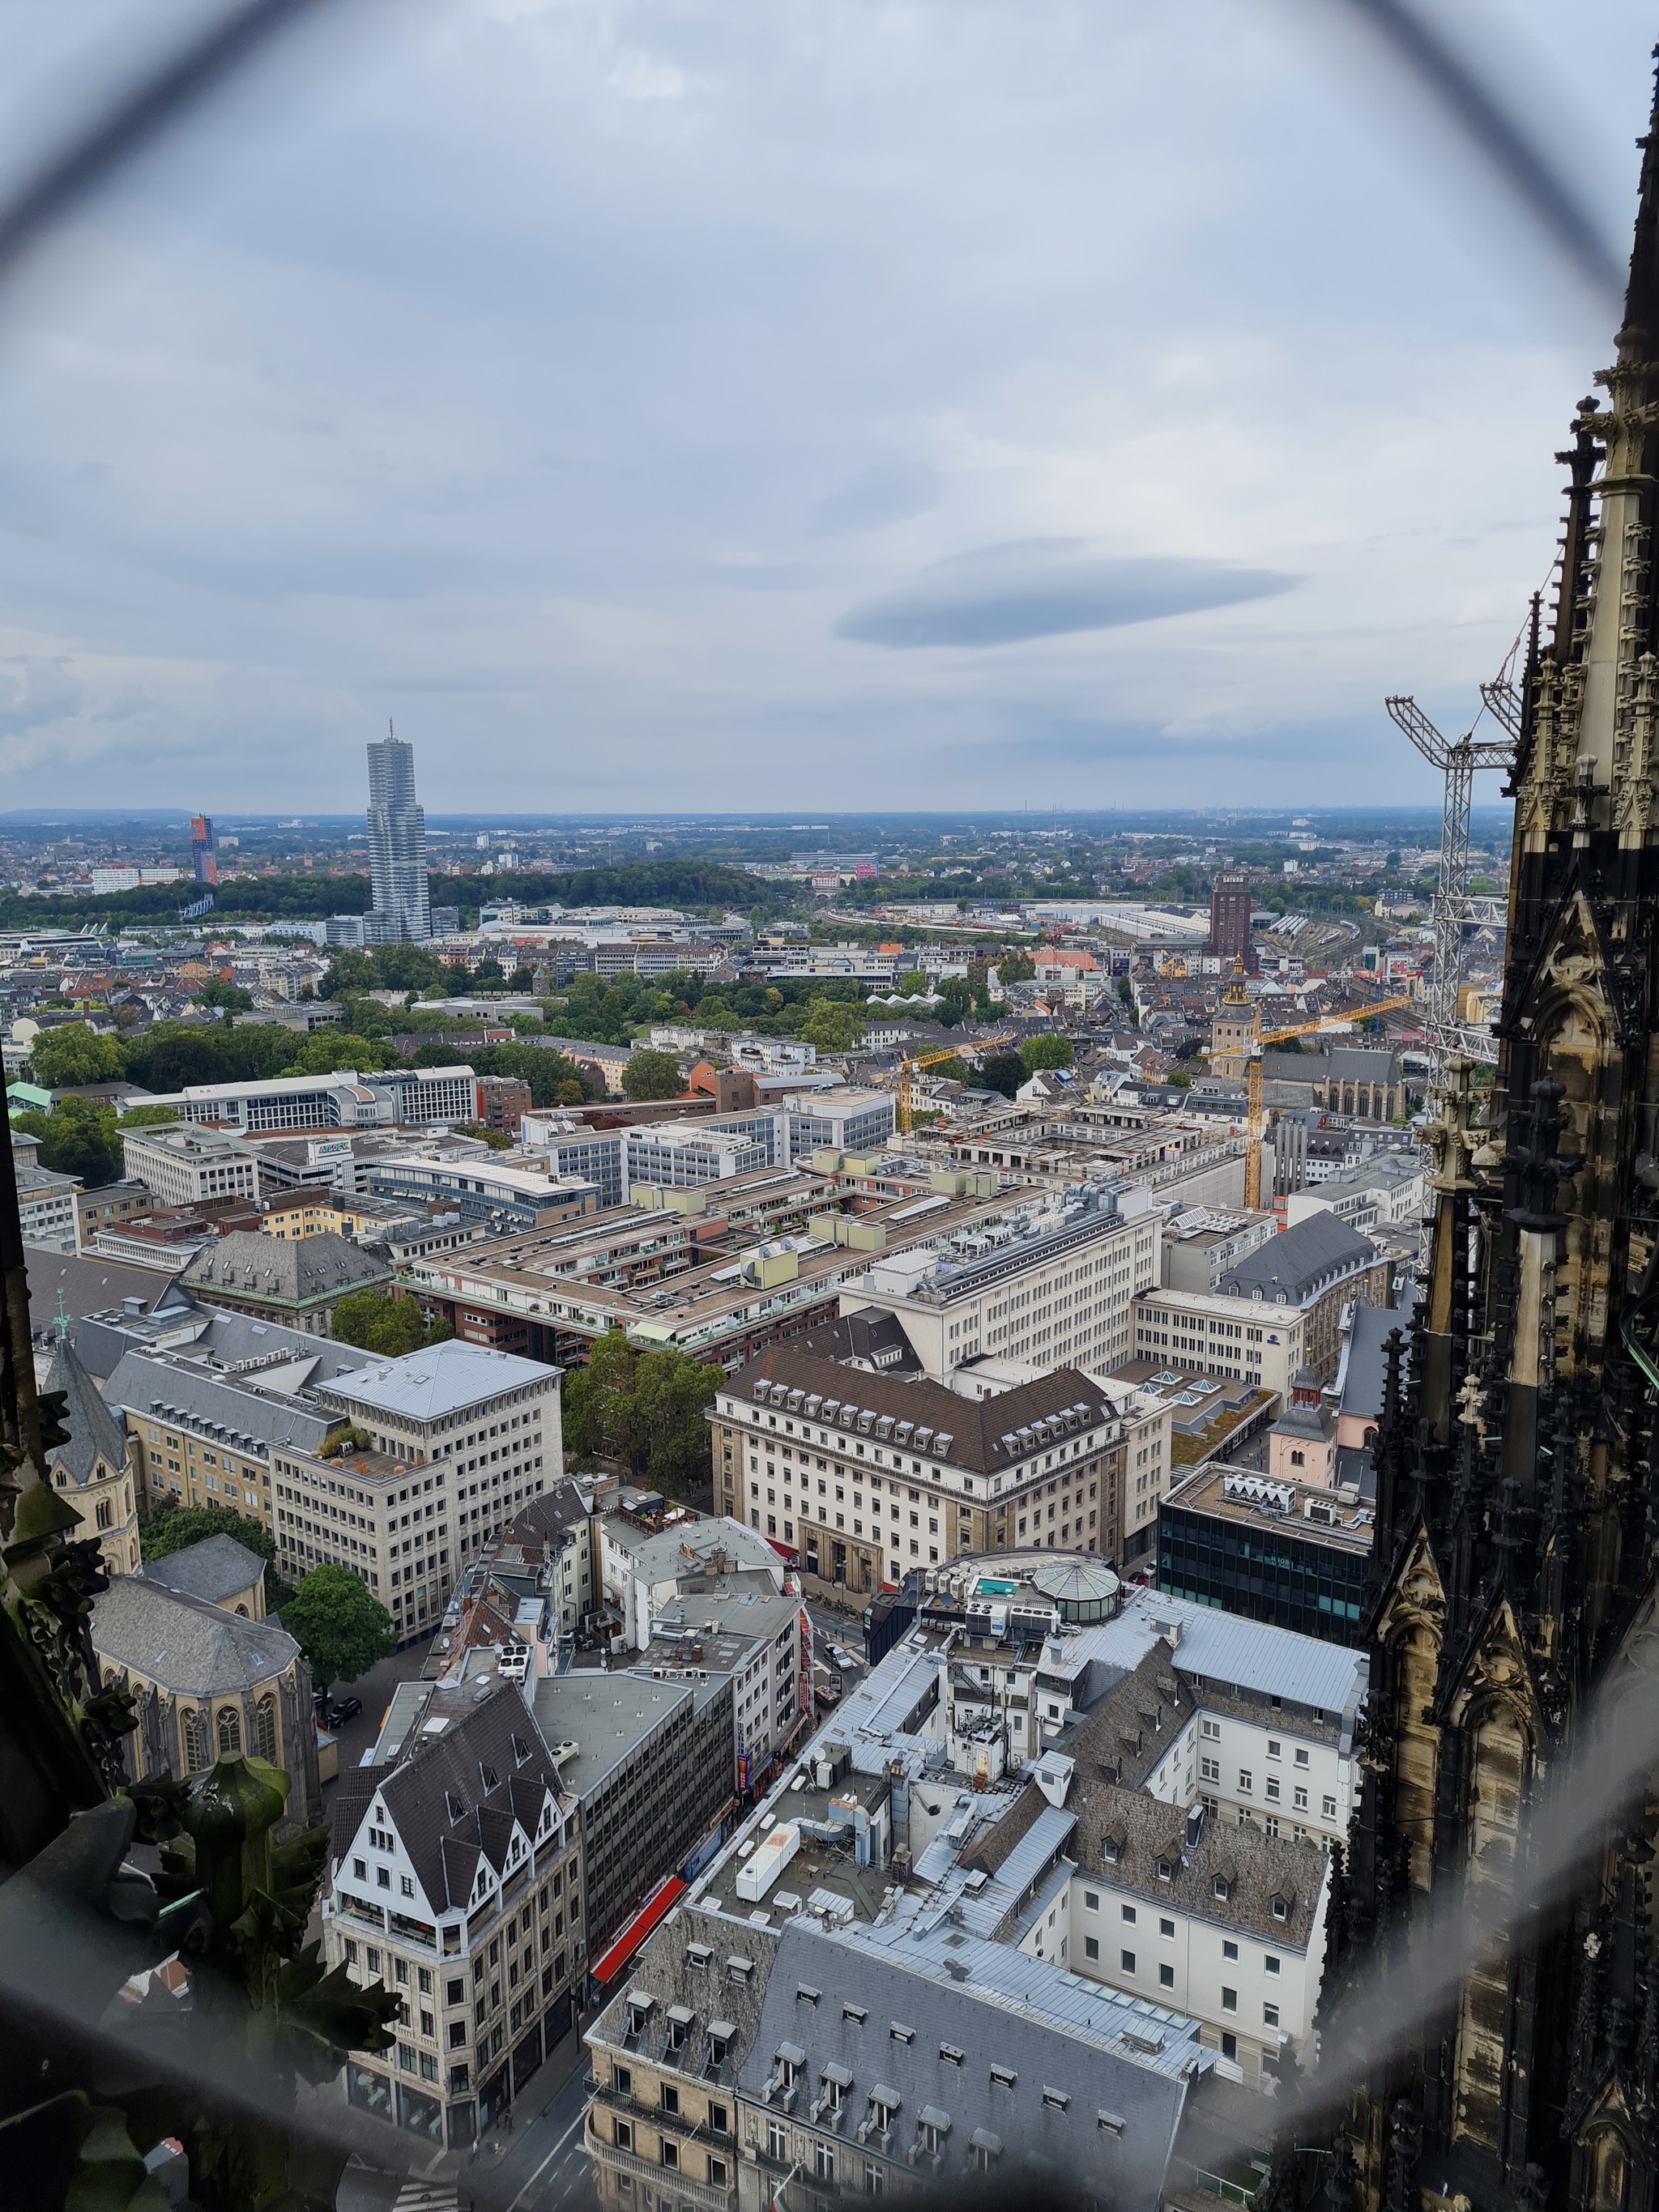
[
  {"x": 1230, "y": 918},
  {"x": 1517, "y": 1509},
  {"x": 397, "y": 846},
  {"x": 202, "y": 863}
]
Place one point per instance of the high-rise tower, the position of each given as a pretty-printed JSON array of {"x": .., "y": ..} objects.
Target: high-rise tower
[
  {"x": 1230, "y": 918},
  {"x": 203, "y": 849},
  {"x": 1513, "y": 1599},
  {"x": 397, "y": 846}
]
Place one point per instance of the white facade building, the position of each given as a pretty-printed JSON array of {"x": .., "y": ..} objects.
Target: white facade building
[{"x": 182, "y": 1167}]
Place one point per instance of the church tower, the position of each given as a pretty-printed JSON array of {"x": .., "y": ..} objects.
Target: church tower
[{"x": 1513, "y": 1581}]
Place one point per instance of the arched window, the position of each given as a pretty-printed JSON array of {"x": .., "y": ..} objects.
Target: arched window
[
  {"x": 230, "y": 1732},
  {"x": 264, "y": 1728},
  {"x": 105, "y": 1515},
  {"x": 192, "y": 1725}
]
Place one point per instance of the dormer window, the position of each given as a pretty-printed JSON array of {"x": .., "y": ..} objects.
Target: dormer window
[
  {"x": 739, "y": 1970},
  {"x": 834, "y": 2083},
  {"x": 722, "y": 2034},
  {"x": 1222, "y": 1888},
  {"x": 1279, "y": 1907},
  {"x": 639, "y": 2011},
  {"x": 697, "y": 1956},
  {"x": 856, "y": 2014},
  {"x": 806, "y": 1994},
  {"x": 884, "y": 2103},
  {"x": 1165, "y": 1869}
]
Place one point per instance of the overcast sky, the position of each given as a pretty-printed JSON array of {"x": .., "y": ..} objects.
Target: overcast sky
[{"x": 667, "y": 403}]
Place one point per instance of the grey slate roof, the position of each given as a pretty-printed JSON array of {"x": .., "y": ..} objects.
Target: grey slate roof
[
  {"x": 1139, "y": 1829},
  {"x": 145, "y": 1385},
  {"x": 1366, "y": 1366},
  {"x": 87, "y": 1285},
  {"x": 1049, "y": 2121},
  {"x": 215, "y": 1336},
  {"x": 1301, "y": 1262},
  {"x": 94, "y": 1433},
  {"x": 458, "y": 1795},
  {"x": 869, "y": 1338},
  {"x": 182, "y": 1642},
  {"x": 216, "y": 1569},
  {"x": 1134, "y": 1724},
  {"x": 295, "y": 1270}
]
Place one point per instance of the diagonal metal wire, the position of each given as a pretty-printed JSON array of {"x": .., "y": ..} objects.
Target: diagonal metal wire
[{"x": 139, "y": 117}]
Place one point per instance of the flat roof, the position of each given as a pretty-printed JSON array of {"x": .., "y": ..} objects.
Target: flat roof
[{"x": 424, "y": 1386}]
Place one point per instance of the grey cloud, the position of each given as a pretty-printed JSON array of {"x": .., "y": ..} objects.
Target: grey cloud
[
  {"x": 1047, "y": 587},
  {"x": 35, "y": 691},
  {"x": 892, "y": 492}
]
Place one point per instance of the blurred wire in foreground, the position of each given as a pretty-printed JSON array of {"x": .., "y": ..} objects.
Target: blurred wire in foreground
[
  {"x": 140, "y": 115},
  {"x": 1521, "y": 164}
]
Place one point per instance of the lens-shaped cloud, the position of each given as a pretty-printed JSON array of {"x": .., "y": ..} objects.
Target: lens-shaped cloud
[{"x": 1047, "y": 587}]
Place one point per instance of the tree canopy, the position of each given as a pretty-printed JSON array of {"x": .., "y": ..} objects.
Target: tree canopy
[
  {"x": 652, "y": 1075},
  {"x": 389, "y": 1322},
  {"x": 74, "y": 1052},
  {"x": 833, "y": 1026},
  {"x": 1004, "y": 1072},
  {"x": 340, "y": 1626},
  {"x": 645, "y": 1408},
  {"x": 1046, "y": 1050},
  {"x": 77, "y": 1137}
]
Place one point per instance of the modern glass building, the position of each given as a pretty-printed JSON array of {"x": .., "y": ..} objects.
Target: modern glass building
[{"x": 1272, "y": 1552}]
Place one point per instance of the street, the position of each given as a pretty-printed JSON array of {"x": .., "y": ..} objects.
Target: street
[
  {"x": 539, "y": 2165},
  {"x": 375, "y": 1689}
]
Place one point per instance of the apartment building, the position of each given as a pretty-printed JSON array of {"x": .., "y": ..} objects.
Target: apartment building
[
  {"x": 646, "y": 1551},
  {"x": 185, "y": 1166},
  {"x": 110, "y": 1207},
  {"x": 458, "y": 1439},
  {"x": 1053, "y": 1285},
  {"x": 456, "y": 1881},
  {"x": 861, "y": 1478}
]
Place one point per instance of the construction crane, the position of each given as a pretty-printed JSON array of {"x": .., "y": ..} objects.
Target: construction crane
[
  {"x": 1457, "y": 759},
  {"x": 1254, "y": 1128},
  {"x": 910, "y": 1068}
]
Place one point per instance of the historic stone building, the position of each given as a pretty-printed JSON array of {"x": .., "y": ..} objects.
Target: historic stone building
[
  {"x": 1512, "y": 1619},
  {"x": 95, "y": 1466}
]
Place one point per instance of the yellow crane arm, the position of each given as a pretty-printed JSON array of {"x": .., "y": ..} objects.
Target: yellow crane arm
[
  {"x": 1254, "y": 1130},
  {"x": 910, "y": 1068}
]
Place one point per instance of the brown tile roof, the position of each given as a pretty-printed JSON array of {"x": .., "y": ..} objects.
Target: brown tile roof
[{"x": 987, "y": 1434}]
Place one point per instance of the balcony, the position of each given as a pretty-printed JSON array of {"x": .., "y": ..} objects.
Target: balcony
[{"x": 668, "y": 2179}]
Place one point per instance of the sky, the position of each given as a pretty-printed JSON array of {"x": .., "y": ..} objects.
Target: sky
[{"x": 658, "y": 404}]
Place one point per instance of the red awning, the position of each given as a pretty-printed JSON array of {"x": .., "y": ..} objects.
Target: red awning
[
  {"x": 657, "y": 1907},
  {"x": 784, "y": 1551}
]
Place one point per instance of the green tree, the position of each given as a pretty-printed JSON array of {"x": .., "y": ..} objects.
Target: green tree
[
  {"x": 832, "y": 1026},
  {"x": 216, "y": 992},
  {"x": 174, "y": 1527},
  {"x": 957, "y": 992},
  {"x": 548, "y": 1073},
  {"x": 389, "y": 1322},
  {"x": 913, "y": 984},
  {"x": 149, "y": 1117},
  {"x": 1046, "y": 1049},
  {"x": 367, "y": 1018},
  {"x": 671, "y": 1395},
  {"x": 645, "y": 1409},
  {"x": 326, "y": 1050},
  {"x": 77, "y": 1137},
  {"x": 1016, "y": 966},
  {"x": 350, "y": 974},
  {"x": 168, "y": 1058},
  {"x": 74, "y": 1052},
  {"x": 1004, "y": 1072},
  {"x": 340, "y": 1626},
  {"x": 652, "y": 1075}
]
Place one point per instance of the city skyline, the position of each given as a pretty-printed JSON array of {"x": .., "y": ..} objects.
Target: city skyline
[{"x": 990, "y": 495}]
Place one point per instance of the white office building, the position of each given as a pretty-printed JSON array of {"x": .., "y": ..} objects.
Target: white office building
[{"x": 183, "y": 1167}]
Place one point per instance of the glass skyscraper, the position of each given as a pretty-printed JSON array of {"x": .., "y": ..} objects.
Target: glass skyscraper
[{"x": 397, "y": 847}]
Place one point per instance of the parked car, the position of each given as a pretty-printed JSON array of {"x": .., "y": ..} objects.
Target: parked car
[{"x": 343, "y": 1709}]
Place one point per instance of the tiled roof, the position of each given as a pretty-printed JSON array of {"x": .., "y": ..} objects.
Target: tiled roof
[
  {"x": 1125, "y": 1835},
  {"x": 1299, "y": 1260},
  {"x": 987, "y": 1435}
]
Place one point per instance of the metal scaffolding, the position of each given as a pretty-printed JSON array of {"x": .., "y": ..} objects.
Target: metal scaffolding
[{"x": 1453, "y": 910}]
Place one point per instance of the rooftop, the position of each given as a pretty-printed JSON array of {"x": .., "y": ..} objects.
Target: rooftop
[
  {"x": 216, "y": 1569},
  {"x": 441, "y": 1379},
  {"x": 182, "y": 1642}
]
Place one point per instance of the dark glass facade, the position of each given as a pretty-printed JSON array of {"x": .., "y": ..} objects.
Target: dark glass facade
[{"x": 1261, "y": 1571}]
